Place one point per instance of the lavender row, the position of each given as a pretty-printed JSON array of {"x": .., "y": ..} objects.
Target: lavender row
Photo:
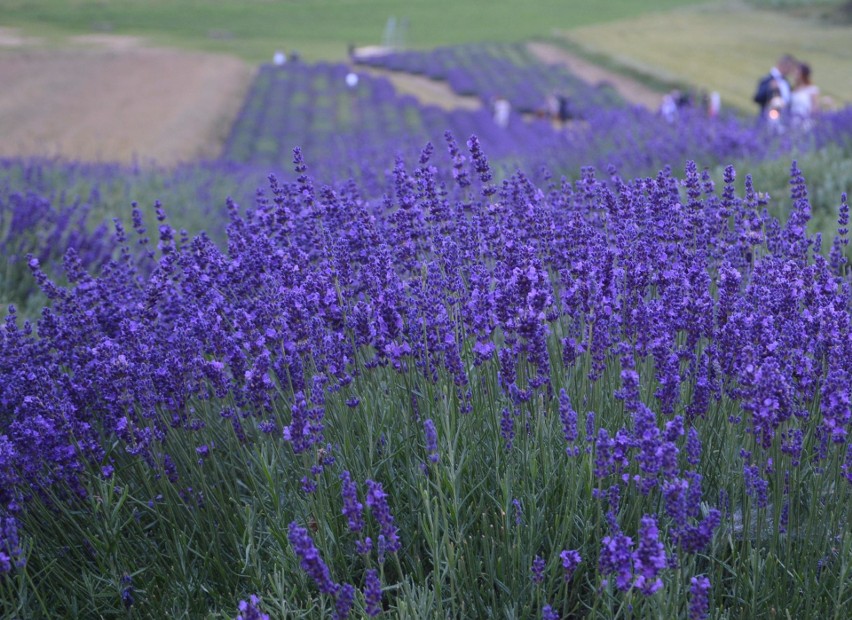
[
  {"x": 491, "y": 71},
  {"x": 679, "y": 357},
  {"x": 358, "y": 131}
]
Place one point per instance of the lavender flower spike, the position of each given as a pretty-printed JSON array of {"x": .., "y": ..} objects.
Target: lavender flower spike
[
  {"x": 378, "y": 504},
  {"x": 250, "y": 610},
  {"x": 311, "y": 562},
  {"x": 699, "y": 603},
  {"x": 570, "y": 560},
  {"x": 431, "y": 440},
  {"x": 373, "y": 594},
  {"x": 352, "y": 508}
]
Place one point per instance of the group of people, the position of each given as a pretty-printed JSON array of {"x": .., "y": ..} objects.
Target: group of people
[
  {"x": 786, "y": 95},
  {"x": 677, "y": 100}
]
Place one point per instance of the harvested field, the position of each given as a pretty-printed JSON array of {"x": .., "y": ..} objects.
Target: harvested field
[
  {"x": 631, "y": 90},
  {"x": 725, "y": 47},
  {"x": 109, "y": 99}
]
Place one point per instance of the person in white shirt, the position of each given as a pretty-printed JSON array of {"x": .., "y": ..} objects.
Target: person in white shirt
[
  {"x": 502, "y": 110},
  {"x": 804, "y": 98}
]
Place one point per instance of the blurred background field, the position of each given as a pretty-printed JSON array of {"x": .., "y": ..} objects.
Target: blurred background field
[
  {"x": 319, "y": 29},
  {"x": 163, "y": 83},
  {"x": 84, "y": 68}
]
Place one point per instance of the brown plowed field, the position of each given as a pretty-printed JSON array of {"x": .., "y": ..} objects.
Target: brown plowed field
[{"x": 110, "y": 99}]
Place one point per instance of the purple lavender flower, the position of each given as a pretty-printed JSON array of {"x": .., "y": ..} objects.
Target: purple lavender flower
[
  {"x": 570, "y": 560},
  {"x": 590, "y": 426},
  {"x": 507, "y": 428},
  {"x": 381, "y": 548},
  {"x": 372, "y": 594},
  {"x": 431, "y": 440},
  {"x": 836, "y": 404},
  {"x": 459, "y": 172},
  {"x": 250, "y": 609},
  {"x": 548, "y": 613},
  {"x": 203, "y": 451},
  {"x": 352, "y": 508},
  {"x": 648, "y": 437},
  {"x": 345, "y": 599},
  {"x": 127, "y": 591},
  {"x": 617, "y": 557},
  {"x": 363, "y": 547},
  {"x": 847, "y": 465},
  {"x": 629, "y": 391},
  {"x": 518, "y": 512},
  {"x": 378, "y": 504},
  {"x": 674, "y": 429},
  {"x": 756, "y": 485},
  {"x": 537, "y": 570},
  {"x": 699, "y": 601},
  {"x": 837, "y": 257},
  {"x": 310, "y": 559},
  {"x": 650, "y": 558},
  {"x": 308, "y": 485},
  {"x": 11, "y": 551},
  {"x": 694, "y": 538},
  {"x": 480, "y": 164},
  {"x": 693, "y": 447},
  {"x": 299, "y": 432},
  {"x": 603, "y": 454},
  {"x": 569, "y": 422}
]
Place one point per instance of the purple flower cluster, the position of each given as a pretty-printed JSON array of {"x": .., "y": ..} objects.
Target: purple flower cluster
[
  {"x": 548, "y": 613},
  {"x": 650, "y": 557},
  {"x": 570, "y": 561},
  {"x": 310, "y": 560},
  {"x": 537, "y": 569},
  {"x": 699, "y": 602},
  {"x": 431, "y": 440},
  {"x": 372, "y": 594},
  {"x": 250, "y": 609},
  {"x": 353, "y": 510},
  {"x": 616, "y": 557},
  {"x": 11, "y": 551},
  {"x": 378, "y": 504}
]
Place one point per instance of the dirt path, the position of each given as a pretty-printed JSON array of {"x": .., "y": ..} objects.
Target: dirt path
[
  {"x": 426, "y": 90},
  {"x": 111, "y": 99},
  {"x": 631, "y": 90}
]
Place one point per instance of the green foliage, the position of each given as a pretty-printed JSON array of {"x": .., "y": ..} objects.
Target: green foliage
[
  {"x": 320, "y": 28},
  {"x": 795, "y": 3},
  {"x": 219, "y": 532}
]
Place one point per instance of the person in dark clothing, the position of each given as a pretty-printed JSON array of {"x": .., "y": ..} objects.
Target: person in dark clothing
[{"x": 773, "y": 89}]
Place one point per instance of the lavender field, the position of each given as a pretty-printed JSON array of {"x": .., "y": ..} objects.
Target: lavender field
[{"x": 388, "y": 360}]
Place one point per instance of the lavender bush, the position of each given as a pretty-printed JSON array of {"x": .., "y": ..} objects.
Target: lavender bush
[{"x": 469, "y": 397}]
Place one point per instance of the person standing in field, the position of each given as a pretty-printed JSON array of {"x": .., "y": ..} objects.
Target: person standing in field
[
  {"x": 804, "y": 100},
  {"x": 502, "y": 109},
  {"x": 773, "y": 91}
]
